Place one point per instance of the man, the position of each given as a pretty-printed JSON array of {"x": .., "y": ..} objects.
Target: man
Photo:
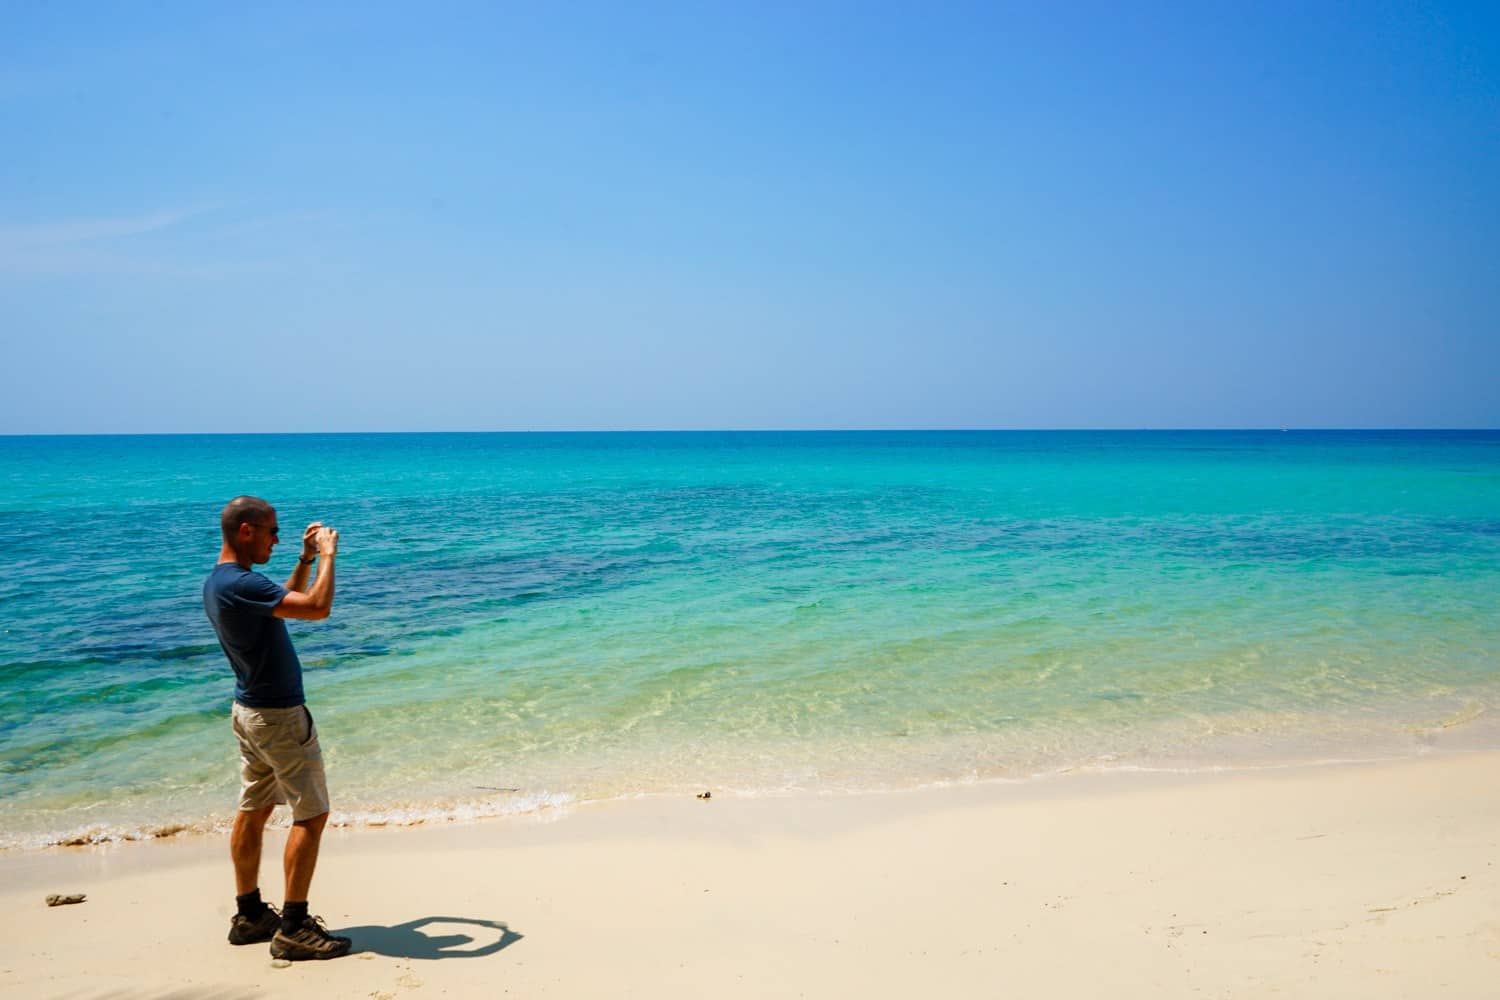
[{"x": 280, "y": 760}]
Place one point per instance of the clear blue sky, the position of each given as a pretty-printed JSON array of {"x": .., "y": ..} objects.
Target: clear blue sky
[{"x": 705, "y": 215}]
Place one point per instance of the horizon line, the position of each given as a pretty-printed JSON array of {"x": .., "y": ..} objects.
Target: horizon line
[{"x": 761, "y": 430}]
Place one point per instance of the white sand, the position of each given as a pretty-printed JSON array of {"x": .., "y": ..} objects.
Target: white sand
[{"x": 1354, "y": 881}]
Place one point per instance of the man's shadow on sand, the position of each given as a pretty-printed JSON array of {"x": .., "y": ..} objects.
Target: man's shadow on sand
[{"x": 407, "y": 941}]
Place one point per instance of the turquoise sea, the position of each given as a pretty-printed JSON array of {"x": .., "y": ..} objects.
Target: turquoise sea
[{"x": 527, "y": 620}]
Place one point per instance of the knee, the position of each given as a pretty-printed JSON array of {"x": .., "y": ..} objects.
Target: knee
[
  {"x": 313, "y": 824},
  {"x": 252, "y": 821}
]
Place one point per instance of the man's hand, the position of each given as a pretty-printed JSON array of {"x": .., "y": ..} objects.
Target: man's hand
[
  {"x": 328, "y": 541},
  {"x": 314, "y": 603},
  {"x": 310, "y": 540}
]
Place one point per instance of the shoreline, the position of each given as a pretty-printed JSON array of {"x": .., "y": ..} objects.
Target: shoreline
[
  {"x": 1375, "y": 879},
  {"x": 416, "y": 814},
  {"x": 1468, "y": 728}
]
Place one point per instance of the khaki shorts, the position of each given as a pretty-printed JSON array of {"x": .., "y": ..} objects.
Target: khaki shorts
[{"x": 280, "y": 760}]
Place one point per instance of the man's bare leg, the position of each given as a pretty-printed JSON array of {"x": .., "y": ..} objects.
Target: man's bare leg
[
  {"x": 244, "y": 848},
  {"x": 303, "y": 936},
  {"x": 301, "y": 856}
]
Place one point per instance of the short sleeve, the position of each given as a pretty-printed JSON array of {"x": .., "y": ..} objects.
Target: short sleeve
[{"x": 256, "y": 594}]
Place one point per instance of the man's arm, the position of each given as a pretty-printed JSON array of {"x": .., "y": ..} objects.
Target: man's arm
[
  {"x": 317, "y": 602},
  {"x": 298, "y": 580}
]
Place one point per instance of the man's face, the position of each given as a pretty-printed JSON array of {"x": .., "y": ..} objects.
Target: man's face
[{"x": 263, "y": 538}]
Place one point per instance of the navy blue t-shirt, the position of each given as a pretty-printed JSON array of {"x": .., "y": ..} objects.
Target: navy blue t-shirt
[{"x": 240, "y": 602}]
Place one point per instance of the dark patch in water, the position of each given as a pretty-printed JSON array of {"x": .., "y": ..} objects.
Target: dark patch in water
[{"x": 72, "y": 742}]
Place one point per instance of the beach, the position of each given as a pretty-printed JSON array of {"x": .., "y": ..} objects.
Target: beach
[
  {"x": 1065, "y": 714},
  {"x": 994, "y": 501},
  {"x": 1362, "y": 880}
]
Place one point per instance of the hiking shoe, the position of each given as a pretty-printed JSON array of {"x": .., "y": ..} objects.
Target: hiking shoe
[
  {"x": 311, "y": 940},
  {"x": 247, "y": 930}
]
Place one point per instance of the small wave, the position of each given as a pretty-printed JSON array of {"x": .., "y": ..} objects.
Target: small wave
[
  {"x": 1244, "y": 767},
  {"x": 1469, "y": 712},
  {"x": 397, "y": 815},
  {"x": 91, "y": 836},
  {"x": 453, "y": 812}
]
